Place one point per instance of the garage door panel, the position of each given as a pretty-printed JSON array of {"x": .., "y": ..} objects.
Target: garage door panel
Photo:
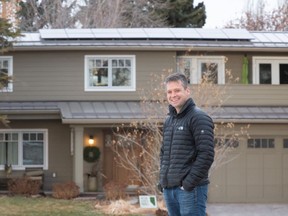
[
  {"x": 285, "y": 192},
  {"x": 236, "y": 193},
  {"x": 254, "y": 193},
  {"x": 255, "y": 161},
  {"x": 235, "y": 161},
  {"x": 285, "y": 161},
  {"x": 272, "y": 176},
  {"x": 254, "y": 177},
  {"x": 272, "y": 192},
  {"x": 271, "y": 161},
  {"x": 235, "y": 177}
]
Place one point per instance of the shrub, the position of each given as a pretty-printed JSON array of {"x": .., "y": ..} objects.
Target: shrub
[
  {"x": 66, "y": 190},
  {"x": 114, "y": 190},
  {"x": 24, "y": 186}
]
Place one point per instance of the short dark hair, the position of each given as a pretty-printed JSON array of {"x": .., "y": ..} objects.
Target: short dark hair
[{"x": 177, "y": 77}]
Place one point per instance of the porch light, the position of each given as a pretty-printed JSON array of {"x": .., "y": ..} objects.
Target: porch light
[{"x": 91, "y": 140}]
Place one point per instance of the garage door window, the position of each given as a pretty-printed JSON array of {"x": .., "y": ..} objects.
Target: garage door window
[{"x": 261, "y": 143}]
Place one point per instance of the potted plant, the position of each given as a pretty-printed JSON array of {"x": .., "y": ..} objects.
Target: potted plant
[{"x": 92, "y": 155}]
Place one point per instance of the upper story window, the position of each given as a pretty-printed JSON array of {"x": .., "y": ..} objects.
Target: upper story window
[
  {"x": 270, "y": 70},
  {"x": 21, "y": 149},
  {"x": 196, "y": 68},
  {"x": 6, "y": 72},
  {"x": 110, "y": 73}
]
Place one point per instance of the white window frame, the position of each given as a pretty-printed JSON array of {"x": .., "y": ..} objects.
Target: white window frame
[
  {"x": 9, "y": 88},
  {"x": 110, "y": 88},
  {"x": 274, "y": 61},
  {"x": 195, "y": 69},
  {"x": 21, "y": 166}
]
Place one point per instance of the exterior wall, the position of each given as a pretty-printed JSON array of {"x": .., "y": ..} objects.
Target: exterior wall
[
  {"x": 59, "y": 75},
  {"x": 59, "y": 158}
]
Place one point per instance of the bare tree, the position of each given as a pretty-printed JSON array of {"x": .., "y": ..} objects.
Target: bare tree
[
  {"x": 120, "y": 13},
  {"x": 137, "y": 146},
  {"x": 259, "y": 18}
]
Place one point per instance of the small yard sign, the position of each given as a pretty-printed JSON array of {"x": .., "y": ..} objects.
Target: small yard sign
[{"x": 148, "y": 201}]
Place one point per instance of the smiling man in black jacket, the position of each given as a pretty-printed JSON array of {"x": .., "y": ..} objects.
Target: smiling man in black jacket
[{"x": 187, "y": 152}]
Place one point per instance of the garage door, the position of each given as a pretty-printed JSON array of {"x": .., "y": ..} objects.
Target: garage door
[{"x": 256, "y": 171}]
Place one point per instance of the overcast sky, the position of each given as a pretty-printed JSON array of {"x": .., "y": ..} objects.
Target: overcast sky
[{"x": 219, "y": 12}]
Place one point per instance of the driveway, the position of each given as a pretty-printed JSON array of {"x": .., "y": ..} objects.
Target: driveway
[{"x": 247, "y": 209}]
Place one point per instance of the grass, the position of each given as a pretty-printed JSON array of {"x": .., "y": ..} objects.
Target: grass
[{"x": 46, "y": 206}]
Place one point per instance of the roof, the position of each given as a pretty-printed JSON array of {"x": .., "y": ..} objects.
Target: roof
[
  {"x": 93, "y": 112},
  {"x": 153, "y": 38}
]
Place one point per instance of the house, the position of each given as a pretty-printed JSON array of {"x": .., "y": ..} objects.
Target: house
[{"x": 70, "y": 85}]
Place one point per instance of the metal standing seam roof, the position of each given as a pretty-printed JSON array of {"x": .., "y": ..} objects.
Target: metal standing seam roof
[
  {"x": 174, "y": 38},
  {"x": 110, "y": 111}
]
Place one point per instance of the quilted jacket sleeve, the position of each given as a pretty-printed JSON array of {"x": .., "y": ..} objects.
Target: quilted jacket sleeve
[{"x": 202, "y": 128}]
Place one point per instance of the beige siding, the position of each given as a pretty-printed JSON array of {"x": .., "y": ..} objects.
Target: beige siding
[{"x": 60, "y": 75}]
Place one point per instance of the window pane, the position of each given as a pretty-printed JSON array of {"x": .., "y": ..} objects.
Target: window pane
[
  {"x": 264, "y": 143},
  {"x": 121, "y": 77},
  {"x": 250, "y": 143},
  {"x": 283, "y": 73},
  {"x": 209, "y": 72},
  {"x": 257, "y": 143},
  {"x": 8, "y": 149},
  {"x": 33, "y": 151},
  {"x": 265, "y": 74},
  {"x": 4, "y": 73},
  {"x": 271, "y": 143},
  {"x": 99, "y": 77}
]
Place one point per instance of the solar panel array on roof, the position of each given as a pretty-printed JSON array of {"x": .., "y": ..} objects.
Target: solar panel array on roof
[
  {"x": 270, "y": 37},
  {"x": 146, "y": 33}
]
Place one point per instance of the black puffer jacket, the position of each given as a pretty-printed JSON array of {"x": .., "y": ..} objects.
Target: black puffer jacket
[{"x": 187, "y": 151}]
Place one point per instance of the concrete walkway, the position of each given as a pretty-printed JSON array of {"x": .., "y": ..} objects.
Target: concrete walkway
[{"x": 247, "y": 209}]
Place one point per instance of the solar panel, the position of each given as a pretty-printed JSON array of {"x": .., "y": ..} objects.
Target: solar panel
[
  {"x": 106, "y": 33},
  {"x": 282, "y": 36},
  {"x": 211, "y": 33},
  {"x": 237, "y": 34},
  {"x": 185, "y": 33},
  {"x": 132, "y": 33},
  {"x": 75, "y": 33},
  {"x": 158, "y": 33}
]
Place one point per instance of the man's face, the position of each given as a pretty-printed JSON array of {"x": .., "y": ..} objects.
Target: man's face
[{"x": 176, "y": 94}]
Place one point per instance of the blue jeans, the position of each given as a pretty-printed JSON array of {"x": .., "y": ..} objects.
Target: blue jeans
[{"x": 186, "y": 203}]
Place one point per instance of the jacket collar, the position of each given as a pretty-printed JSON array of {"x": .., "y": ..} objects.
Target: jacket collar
[{"x": 188, "y": 103}]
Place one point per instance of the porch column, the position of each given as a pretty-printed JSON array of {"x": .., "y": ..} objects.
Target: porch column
[{"x": 78, "y": 157}]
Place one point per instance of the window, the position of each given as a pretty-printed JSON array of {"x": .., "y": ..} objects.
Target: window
[
  {"x": 261, "y": 143},
  {"x": 27, "y": 148},
  {"x": 197, "y": 68},
  {"x": 285, "y": 143},
  {"x": 110, "y": 73},
  {"x": 270, "y": 70},
  {"x": 6, "y": 72},
  {"x": 232, "y": 142}
]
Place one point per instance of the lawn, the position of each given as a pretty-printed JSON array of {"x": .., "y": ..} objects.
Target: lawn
[{"x": 46, "y": 206}]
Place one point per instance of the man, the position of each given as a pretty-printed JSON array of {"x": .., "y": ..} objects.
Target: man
[{"x": 187, "y": 152}]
